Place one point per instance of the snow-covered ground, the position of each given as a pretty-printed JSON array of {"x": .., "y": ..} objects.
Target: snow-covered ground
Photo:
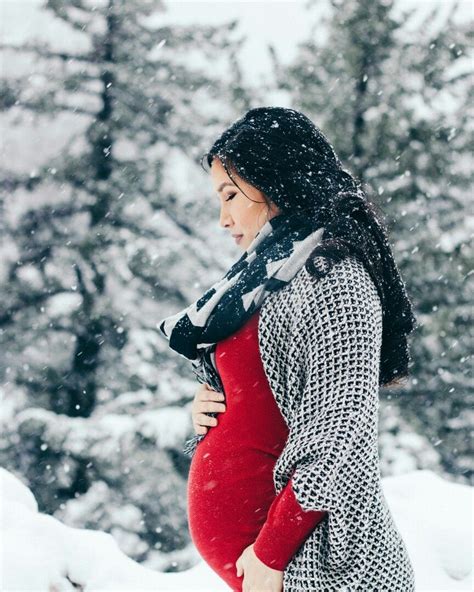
[{"x": 38, "y": 553}]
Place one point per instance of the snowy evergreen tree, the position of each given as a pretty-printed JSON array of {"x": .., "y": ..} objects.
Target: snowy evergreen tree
[
  {"x": 98, "y": 244},
  {"x": 394, "y": 95}
]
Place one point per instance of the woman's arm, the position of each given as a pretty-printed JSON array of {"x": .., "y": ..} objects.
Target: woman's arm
[
  {"x": 286, "y": 528},
  {"x": 332, "y": 390},
  {"x": 332, "y": 441}
]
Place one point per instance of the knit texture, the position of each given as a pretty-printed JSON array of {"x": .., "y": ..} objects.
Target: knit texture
[{"x": 320, "y": 340}]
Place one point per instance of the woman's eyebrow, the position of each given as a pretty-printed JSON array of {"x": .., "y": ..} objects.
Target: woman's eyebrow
[{"x": 222, "y": 185}]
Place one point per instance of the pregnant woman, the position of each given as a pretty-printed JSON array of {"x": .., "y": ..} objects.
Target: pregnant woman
[{"x": 290, "y": 347}]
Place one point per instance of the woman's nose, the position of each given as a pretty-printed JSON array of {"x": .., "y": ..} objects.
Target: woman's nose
[{"x": 224, "y": 219}]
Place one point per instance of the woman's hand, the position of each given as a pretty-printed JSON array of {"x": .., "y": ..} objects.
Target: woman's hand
[
  {"x": 258, "y": 577},
  {"x": 205, "y": 399}
]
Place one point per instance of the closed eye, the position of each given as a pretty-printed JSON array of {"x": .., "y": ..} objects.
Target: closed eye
[{"x": 230, "y": 196}]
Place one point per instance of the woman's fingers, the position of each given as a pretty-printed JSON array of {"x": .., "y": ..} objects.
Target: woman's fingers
[
  {"x": 210, "y": 395},
  {"x": 203, "y": 422},
  {"x": 206, "y": 420},
  {"x": 209, "y": 406},
  {"x": 200, "y": 419},
  {"x": 206, "y": 400}
]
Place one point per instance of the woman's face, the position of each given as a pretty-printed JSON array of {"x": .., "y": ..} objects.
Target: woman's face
[{"x": 239, "y": 214}]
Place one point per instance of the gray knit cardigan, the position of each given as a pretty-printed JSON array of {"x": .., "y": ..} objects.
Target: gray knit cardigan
[{"x": 320, "y": 341}]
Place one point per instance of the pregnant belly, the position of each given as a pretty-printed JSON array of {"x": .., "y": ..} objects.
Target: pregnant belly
[{"x": 229, "y": 493}]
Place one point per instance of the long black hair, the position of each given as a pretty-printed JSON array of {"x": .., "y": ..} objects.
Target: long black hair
[{"x": 285, "y": 155}]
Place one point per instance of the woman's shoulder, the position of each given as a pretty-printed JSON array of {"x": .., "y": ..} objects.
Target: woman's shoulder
[
  {"x": 340, "y": 297},
  {"x": 317, "y": 318},
  {"x": 324, "y": 277},
  {"x": 324, "y": 288}
]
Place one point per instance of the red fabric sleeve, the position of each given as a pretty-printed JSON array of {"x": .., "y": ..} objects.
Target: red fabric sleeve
[{"x": 286, "y": 528}]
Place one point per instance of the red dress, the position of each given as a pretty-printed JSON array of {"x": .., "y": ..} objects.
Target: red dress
[{"x": 231, "y": 496}]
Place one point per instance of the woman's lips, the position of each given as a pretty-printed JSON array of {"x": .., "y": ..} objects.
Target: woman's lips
[{"x": 238, "y": 238}]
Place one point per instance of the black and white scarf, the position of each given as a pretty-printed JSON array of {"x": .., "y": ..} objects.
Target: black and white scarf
[{"x": 272, "y": 259}]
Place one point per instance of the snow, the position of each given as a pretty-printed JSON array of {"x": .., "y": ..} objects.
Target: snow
[
  {"x": 433, "y": 516},
  {"x": 39, "y": 553}
]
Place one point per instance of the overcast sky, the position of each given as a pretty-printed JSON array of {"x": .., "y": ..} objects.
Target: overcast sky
[{"x": 289, "y": 23}]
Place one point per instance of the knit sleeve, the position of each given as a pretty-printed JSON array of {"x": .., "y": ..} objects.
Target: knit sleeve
[
  {"x": 286, "y": 528},
  {"x": 332, "y": 442}
]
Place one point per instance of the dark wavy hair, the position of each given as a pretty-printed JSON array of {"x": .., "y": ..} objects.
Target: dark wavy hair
[{"x": 285, "y": 155}]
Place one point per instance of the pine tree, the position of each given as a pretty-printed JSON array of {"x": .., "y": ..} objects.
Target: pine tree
[
  {"x": 98, "y": 245},
  {"x": 393, "y": 94}
]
